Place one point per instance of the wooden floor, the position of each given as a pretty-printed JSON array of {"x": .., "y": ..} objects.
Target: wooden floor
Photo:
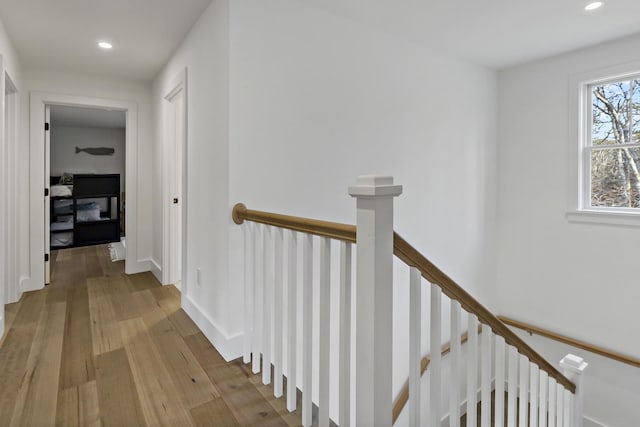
[{"x": 98, "y": 347}]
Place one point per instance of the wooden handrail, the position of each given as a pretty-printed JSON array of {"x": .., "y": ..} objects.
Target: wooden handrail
[
  {"x": 572, "y": 342},
  {"x": 403, "y": 396},
  {"x": 410, "y": 256},
  {"x": 333, "y": 230}
]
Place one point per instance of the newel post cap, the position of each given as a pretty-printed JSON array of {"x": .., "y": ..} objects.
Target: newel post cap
[
  {"x": 573, "y": 363},
  {"x": 375, "y": 186}
]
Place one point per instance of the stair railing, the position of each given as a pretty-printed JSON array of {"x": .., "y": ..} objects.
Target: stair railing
[{"x": 496, "y": 360}]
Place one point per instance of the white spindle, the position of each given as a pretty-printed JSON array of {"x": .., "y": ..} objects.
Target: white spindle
[
  {"x": 345, "y": 334},
  {"x": 267, "y": 308},
  {"x": 573, "y": 368},
  {"x": 552, "y": 402},
  {"x": 472, "y": 370},
  {"x": 567, "y": 407},
  {"x": 415, "y": 349},
  {"x": 512, "y": 390},
  {"x": 248, "y": 293},
  {"x": 456, "y": 366},
  {"x": 543, "y": 386},
  {"x": 485, "y": 360},
  {"x": 435, "y": 389},
  {"x": 559, "y": 405},
  {"x": 258, "y": 300},
  {"x": 499, "y": 383},
  {"x": 325, "y": 329},
  {"x": 278, "y": 328},
  {"x": 292, "y": 285},
  {"x": 523, "y": 384},
  {"x": 307, "y": 319},
  {"x": 533, "y": 394}
]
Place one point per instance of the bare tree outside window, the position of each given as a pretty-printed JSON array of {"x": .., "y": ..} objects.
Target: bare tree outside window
[{"x": 615, "y": 144}]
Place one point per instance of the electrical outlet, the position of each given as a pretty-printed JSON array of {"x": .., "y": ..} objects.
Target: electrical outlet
[{"x": 198, "y": 277}]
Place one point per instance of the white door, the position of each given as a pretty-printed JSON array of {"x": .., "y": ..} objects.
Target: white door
[
  {"x": 176, "y": 155},
  {"x": 47, "y": 199}
]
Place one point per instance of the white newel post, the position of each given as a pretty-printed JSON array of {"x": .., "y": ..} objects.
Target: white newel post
[
  {"x": 374, "y": 280},
  {"x": 573, "y": 368}
]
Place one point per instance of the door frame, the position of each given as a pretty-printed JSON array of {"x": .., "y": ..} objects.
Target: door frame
[
  {"x": 38, "y": 182},
  {"x": 10, "y": 138},
  {"x": 176, "y": 85}
]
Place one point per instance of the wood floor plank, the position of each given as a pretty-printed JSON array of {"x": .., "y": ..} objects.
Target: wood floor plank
[
  {"x": 16, "y": 349},
  {"x": 142, "y": 281},
  {"x": 105, "y": 331},
  {"x": 123, "y": 305},
  {"x": 183, "y": 323},
  {"x": 37, "y": 397},
  {"x": 153, "y": 381},
  {"x": 117, "y": 394},
  {"x": 193, "y": 386},
  {"x": 78, "y": 406},
  {"x": 77, "y": 353},
  {"x": 243, "y": 400},
  {"x": 214, "y": 412},
  {"x": 93, "y": 267}
]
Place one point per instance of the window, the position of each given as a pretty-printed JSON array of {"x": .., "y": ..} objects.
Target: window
[
  {"x": 604, "y": 168},
  {"x": 611, "y": 147}
]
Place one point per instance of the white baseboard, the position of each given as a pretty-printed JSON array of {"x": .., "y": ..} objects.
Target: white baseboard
[
  {"x": 156, "y": 270},
  {"x": 229, "y": 347},
  {"x": 140, "y": 266},
  {"x": 589, "y": 422},
  {"x": 28, "y": 285}
]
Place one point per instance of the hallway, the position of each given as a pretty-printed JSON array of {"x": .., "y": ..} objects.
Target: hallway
[{"x": 97, "y": 347}]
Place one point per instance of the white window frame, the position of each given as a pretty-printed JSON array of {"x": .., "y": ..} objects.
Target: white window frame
[{"x": 580, "y": 209}]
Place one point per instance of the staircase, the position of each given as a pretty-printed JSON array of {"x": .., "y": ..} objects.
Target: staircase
[{"x": 301, "y": 318}]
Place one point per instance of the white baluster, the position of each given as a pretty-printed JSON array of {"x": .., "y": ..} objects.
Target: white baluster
[
  {"x": 267, "y": 307},
  {"x": 544, "y": 389},
  {"x": 499, "y": 383},
  {"x": 485, "y": 360},
  {"x": 456, "y": 366},
  {"x": 552, "y": 402},
  {"x": 292, "y": 287},
  {"x": 325, "y": 329},
  {"x": 278, "y": 328},
  {"x": 415, "y": 349},
  {"x": 533, "y": 394},
  {"x": 523, "y": 385},
  {"x": 567, "y": 408},
  {"x": 559, "y": 405},
  {"x": 345, "y": 334},
  {"x": 258, "y": 301},
  {"x": 248, "y": 293},
  {"x": 472, "y": 370},
  {"x": 307, "y": 331},
  {"x": 435, "y": 389},
  {"x": 512, "y": 391}
]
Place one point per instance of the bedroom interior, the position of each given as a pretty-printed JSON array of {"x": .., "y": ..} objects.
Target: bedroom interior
[{"x": 87, "y": 177}]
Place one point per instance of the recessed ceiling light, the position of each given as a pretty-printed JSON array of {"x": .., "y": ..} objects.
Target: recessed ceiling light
[
  {"x": 593, "y": 6},
  {"x": 105, "y": 45}
]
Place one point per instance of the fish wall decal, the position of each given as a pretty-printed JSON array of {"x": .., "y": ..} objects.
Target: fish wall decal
[{"x": 97, "y": 151}]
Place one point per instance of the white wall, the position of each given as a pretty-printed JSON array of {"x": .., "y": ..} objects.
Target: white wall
[
  {"x": 65, "y": 83},
  {"x": 64, "y": 140},
  {"x": 580, "y": 280},
  {"x": 205, "y": 54}
]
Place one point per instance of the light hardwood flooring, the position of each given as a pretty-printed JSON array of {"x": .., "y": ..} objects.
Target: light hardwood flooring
[{"x": 99, "y": 348}]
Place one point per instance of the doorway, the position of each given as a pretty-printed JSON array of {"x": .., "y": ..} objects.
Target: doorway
[
  {"x": 38, "y": 181},
  {"x": 174, "y": 181}
]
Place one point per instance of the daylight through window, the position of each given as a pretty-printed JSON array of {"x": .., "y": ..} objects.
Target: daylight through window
[{"x": 612, "y": 148}]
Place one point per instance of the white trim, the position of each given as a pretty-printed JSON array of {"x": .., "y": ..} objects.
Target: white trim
[
  {"x": 178, "y": 83},
  {"x": 156, "y": 270},
  {"x": 37, "y": 180},
  {"x": 229, "y": 347},
  {"x": 13, "y": 195},
  {"x": 578, "y": 204}
]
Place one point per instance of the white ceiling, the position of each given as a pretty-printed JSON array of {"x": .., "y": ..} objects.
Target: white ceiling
[
  {"x": 62, "y": 34},
  {"x": 495, "y": 33},
  {"x": 86, "y": 117}
]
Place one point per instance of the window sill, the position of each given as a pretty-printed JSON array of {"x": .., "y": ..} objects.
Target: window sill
[{"x": 628, "y": 219}]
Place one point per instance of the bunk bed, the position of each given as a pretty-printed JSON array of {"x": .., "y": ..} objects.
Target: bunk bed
[{"x": 85, "y": 210}]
